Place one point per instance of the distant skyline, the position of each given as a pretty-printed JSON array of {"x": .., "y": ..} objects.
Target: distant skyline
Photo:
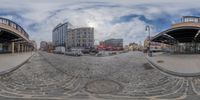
[{"x": 111, "y": 18}]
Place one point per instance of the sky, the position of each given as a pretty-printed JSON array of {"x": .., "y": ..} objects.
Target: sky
[{"x": 125, "y": 19}]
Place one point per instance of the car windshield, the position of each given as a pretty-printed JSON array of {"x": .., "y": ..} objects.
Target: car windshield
[{"x": 99, "y": 50}]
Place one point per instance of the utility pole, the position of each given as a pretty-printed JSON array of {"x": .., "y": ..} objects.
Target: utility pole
[{"x": 149, "y": 36}]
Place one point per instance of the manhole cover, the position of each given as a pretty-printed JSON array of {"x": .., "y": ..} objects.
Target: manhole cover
[{"x": 103, "y": 87}]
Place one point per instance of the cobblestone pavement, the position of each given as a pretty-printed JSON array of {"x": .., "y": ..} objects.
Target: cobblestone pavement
[{"x": 120, "y": 77}]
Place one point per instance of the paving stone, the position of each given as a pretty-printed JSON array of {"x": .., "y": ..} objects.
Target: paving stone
[{"x": 124, "y": 75}]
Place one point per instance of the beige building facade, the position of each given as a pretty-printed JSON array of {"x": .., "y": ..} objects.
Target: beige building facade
[{"x": 80, "y": 38}]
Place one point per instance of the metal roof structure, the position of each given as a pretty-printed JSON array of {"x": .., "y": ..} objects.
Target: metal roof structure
[{"x": 183, "y": 32}]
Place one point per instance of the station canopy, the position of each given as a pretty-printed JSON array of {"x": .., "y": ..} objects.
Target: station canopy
[
  {"x": 178, "y": 35},
  {"x": 6, "y": 36}
]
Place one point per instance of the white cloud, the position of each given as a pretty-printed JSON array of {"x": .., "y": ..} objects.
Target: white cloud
[{"x": 7, "y": 17}]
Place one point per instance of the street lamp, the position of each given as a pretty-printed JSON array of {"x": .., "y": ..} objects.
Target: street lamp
[{"x": 149, "y": 36}]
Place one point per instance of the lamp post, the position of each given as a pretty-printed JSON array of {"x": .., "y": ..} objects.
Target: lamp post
[{"x": 149, "y": 44}]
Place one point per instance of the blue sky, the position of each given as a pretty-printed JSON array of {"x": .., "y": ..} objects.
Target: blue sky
[{"x": 111, "y": 18}]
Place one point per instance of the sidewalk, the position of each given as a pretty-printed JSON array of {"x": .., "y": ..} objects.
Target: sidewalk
[
  {"x": 10, "y": 62},
  {"x": 177, "y": 64}
]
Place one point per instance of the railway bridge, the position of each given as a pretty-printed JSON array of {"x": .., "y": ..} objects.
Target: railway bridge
[{"x": 13, "y": 38}]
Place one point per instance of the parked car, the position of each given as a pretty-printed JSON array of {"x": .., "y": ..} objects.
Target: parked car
[
  {"x": 59, "y": 50},
  {"x": 74, "y": 52},
  {"x": 94, "y": 51},
  {"x": 88, "y": 51}
]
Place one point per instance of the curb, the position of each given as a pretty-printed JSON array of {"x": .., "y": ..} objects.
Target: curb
[
  {"x": 172, "y": 72},
  {"x": 16, "y": 67}
]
